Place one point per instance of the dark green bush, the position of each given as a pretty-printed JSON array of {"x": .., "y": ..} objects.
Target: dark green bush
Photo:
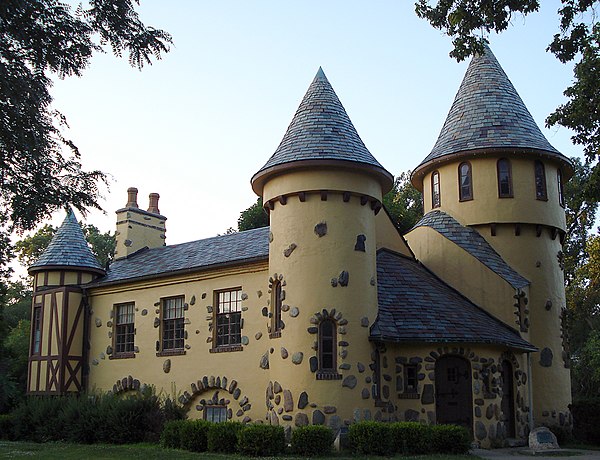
[
  {"x": 32, "y": 419},
  {"x": 193, "y": 435},
  {"x": 223, "y": 437},
  {"x": 171, "y": 434},
  {"x": 563, "y": 434},
  {"x": 6, "y": 430},
  {"x": 586, "y": 419},
  {"x": 411, "y": 438},
  {"x": 261, "y": 440},
  {"x": 370, "y": 438},
  {"x": 80, "y": 419},
  {"x": 449, "y": 439},
  {"x": 312, "y": 440}
]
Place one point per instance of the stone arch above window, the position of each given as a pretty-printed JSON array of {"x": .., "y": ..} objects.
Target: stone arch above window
[
  {"x": 327, "y": 326},
  {"x": 126, "y": 384},
  {"x": 436, "y": 194},
  {"x": 465, "y": 181},
  {"x": 504, "y": 172},
  {"x": 541, "y": 192}
]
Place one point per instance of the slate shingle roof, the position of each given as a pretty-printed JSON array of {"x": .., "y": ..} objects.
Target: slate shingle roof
[
  {"x": 488, "y": 113},
  {"x": 416, "y": 306},
  {"x": 209, "y": 252},
  {"x": 68, "y": 248},
  {"x": 472, "y": 242},
  {"x": 321, "y": 130}
]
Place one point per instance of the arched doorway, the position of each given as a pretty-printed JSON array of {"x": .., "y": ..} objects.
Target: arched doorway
[
  {"x": 453, "y": 389},
  {"x": 508, "y": 398}
]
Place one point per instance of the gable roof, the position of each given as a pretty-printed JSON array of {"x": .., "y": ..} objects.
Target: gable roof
[
  {"x": 488, "y": 114},
  {"x": 320, "y": 131},
  {"x": 416, "y": 306},
  {"x": 475, "y": 244},
  {"x": 195, "y": 255},
  {"x": 68, "y": 249}
]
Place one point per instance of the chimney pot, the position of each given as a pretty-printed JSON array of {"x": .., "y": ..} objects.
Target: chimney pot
[
  {"x": 132, "y": 197},
  {"x": 153, "y": 203}
]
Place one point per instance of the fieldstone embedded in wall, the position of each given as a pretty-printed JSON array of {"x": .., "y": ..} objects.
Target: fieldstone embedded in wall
[
  {"x": 411, "y": 415},
  {"x": 318, "y": 418},
  {"x": 301, "y": 419},
  {"x": 314, "y": 363},
  {"x": 284, "y": 353},
  {"x": 360, "y": 243},
  {"x": 349, "y": 382},
  {"x": 264, "y": 361},
  {"x": 364, "y": 321},
  {"x": 288, "y": 251},
  {"x": 428, "y": 394},
  {"x": 546, "y": 357},
  {"x": 344, "y": 278},
  {"x": 297, "y": 357},
  {"x": 167, "y": 366},
  {"x": 321, "y": 229},
  {"x": 480, "y": 430}
]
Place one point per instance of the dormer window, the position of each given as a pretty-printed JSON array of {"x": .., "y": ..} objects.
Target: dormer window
[
  {"x": 465, "y": 182},
  {"x": 559, "y": 180},
  {"x": 505, "y": 188},
  {"x": 540, "y": 181},
  {"x": 436, "y": 199}
]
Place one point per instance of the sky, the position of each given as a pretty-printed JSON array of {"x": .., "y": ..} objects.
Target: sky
[{"x": 195, "y": 126}]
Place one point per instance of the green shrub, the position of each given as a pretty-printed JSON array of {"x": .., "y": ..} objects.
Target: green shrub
[
  {"x": 6, "y": 430},
  {"x": 563, "y": 434},
  {"x": 80, "y": 419},
  {"x": 411, "y": 438},
  {"x": 450, "y": 439},
  {"x": 171, "y": 434},
  {"x": 193, "y": 435},
  {"x": 223, "y": 437},
  {"x": 312, "y": 440},
  {"x": 31, "y": 419},
  {"x": 370, "y": 438},
  {"x": 261, "y": 440},
  {"x": 586, "y": 419}
]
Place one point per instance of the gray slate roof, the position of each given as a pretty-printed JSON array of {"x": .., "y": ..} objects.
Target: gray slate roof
[
  {"x": 416, "y": 306},
  {"x": 321, "y": 130},
  {"x": 201, "y": 254},
  {"x": 472, "y": 242},
  {"x": 68, "y": 248},
  {"x": 488, "y": 113}
]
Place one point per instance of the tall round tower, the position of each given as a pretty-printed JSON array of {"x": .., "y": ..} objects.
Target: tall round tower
[
  {"x": 493, "y": 170},
  {"x": 323, "y": 189},
  {"x": 59, "y": 324}
]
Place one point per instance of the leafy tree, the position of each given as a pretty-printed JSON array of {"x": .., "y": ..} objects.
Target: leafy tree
[
  {"x": 578, "y": 39},
  {"x": 253, "y": 217},
  {"x": 404, "y": 203},
  {"x": 30, "y": 248},
  {"x": 586, "y": 367},
  {"x": 17, "y": 348},
  {"x": 17, "y": 303}
]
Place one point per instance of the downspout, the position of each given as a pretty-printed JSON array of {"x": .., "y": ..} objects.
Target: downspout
[
  {"x": 530, "y": 391},
  {"x": 85, "y": 352}
]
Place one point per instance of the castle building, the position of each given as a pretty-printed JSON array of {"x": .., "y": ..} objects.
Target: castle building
[{"x": 330, "y": 315}]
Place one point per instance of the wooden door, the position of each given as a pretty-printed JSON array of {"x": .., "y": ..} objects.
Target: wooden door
[{"x": 454, "y": 400}]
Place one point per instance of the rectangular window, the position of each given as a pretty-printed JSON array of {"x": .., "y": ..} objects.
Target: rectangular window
[
  {"x": 124, "y": 328},
  {"x": 172, "y": 323},
  {"x": 410, "y": 378},
  {"x": 36, "y": 343},
  {"x": 215, "y": 414},
  {"x": 229, "y": 317}
]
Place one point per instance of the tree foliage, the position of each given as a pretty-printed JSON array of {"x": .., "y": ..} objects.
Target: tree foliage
[
  {"x": 404, "y": 203},
  {"x": 253, "y": 217},
  {"x": 578, "y": 39}
]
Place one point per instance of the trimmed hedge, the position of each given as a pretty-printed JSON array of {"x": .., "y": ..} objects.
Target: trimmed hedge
[
  {"x": 410, "y": 438},
  {"x": 371, "y": 438},
  {"x": 170, "y": 437},
  {"x": 449, "y": 439},
  {"x": 194, "y": 435},
  {"x": 261, "y": 440},
  {"x": 6, "y": 429},
  {"x": 312, "y": 441},
  {"x": 586, "y": 419},
  {"x": 223, "y": 437}
]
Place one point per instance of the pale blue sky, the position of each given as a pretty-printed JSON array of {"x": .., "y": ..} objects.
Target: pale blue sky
[{"x": 197, "y": 125}]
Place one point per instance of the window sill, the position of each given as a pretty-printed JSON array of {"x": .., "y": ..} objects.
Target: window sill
[
  {"x": 274, "y": 335},
  {"x": 176, "y": 352},
  {"x": 408, "y": 396},
  {"x": 329, "y": 376},
  {"x": 227, "y": 348},
  {"x": 122, "y": 355}
]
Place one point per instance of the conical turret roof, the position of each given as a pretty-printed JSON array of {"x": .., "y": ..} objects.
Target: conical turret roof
[
  {"x": 488, "y": 114},
  {"x": 320, "y": 131},
  {"x": 68, "y": 249}
]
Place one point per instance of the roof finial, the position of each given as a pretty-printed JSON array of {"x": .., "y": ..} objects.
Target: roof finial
[{"x": 320, "y": 74}]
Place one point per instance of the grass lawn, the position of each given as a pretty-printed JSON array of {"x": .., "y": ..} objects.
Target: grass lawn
[{"x": 148, "y": 452}]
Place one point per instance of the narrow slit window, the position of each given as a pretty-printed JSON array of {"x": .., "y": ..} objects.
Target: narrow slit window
[
  {"x": 327, "y": 346},
  {"x": 505, "y": 187},
  {"x": 436, "y": 199},
  {"x": 410, "y": 378},
  {"x": 540, "y": 181},
  {"x": 276, "y": 307},
  {"x": 561, "y": 196},
  {"x": 36, "y": 343},
  {"x": 465, "y": 182}
]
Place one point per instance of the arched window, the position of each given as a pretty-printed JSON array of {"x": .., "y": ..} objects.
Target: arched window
[
  {"x": 436, "y": 199},
  {"x": 465, "y": 182},
  {"x": 327, "y": 346},
  {"x": 276, "y": 308},
  {"x": 540, "y": 181},
  {"x": 561, "y": 196},
  {"x": 505, "y": 188}
]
